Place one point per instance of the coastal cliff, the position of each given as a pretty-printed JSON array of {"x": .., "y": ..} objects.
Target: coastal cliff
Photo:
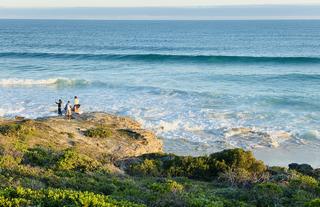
[
  {"x": 99, "y": 159},
  {"x": 99, "y": 136}
]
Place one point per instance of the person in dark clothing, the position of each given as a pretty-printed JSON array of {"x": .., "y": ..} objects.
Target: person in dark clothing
[{"x": 59, "y": 103}]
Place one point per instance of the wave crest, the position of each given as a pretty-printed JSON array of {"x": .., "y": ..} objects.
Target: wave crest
[
  {"x": 166, "y": 57},
  {"x": 48, "y": 82}
]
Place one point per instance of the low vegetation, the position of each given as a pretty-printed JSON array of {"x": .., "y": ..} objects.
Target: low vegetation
[
  {"x": 56, "y": 197},
  {"x": 39, "y": 173},
  {"x": 99, "y": 132},
  {"x": 235, "y": 166}
]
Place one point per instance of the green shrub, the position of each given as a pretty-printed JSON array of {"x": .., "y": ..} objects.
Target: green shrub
[
  {"x": 235, "y": 159},
  {"x": 15, "y": 129},
  {"x": 204, "y": 168},
  {"x": 72, "y": 160},
  {"x": 147, "y": 167},
  {"x": 9, "y": 162},
  {"x": 267, "y": 194},
  {"x": 171, "y": 199},
  {"x": 130, "y": 133},
  {"x": 304, "y": 182},
  {"x": 166, "y": 186},
  {"x": 10, "y": 129},
  {"x": 298, "y": 197},
  {"x": 56, "y": 197},
  {"x": 281, "y": 174},
  {"x": 236, "y": 177},
  {"x": 206, "y": 199},
  {"x": 204, "y": 202},
  {"x": 302, "y": 168},
  {"x": 99, "y": 132},
  {"x": 192, "y": 167},
  {"x": 313, "y": 203},
  {"x": 40, "y": 156}
]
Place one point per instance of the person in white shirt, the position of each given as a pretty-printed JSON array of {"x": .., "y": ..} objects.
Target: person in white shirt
[{"x": 68, "y": 110}]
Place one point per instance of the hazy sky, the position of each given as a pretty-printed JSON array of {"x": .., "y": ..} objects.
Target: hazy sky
[
  {"x": 160, "y": 9},
  {"x": 141, "y": 3}
]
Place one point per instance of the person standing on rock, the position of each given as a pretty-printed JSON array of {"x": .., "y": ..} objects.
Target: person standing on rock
[
  {"x": 68, "y": 110},
  {"x": 76, "y": 105},
  {"x": 59, "y": 103}
]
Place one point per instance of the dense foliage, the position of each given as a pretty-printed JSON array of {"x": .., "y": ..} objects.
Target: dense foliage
[
  {"x": 10, "y": 197},
  {"x": 236, "y": 166},
  {"x": 49, "y": 175}
]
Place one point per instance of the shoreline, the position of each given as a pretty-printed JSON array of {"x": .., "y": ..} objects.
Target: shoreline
[{"x": 183, "y": 147}]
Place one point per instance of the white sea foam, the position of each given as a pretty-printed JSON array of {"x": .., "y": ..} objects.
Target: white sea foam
[
  {"x": 10, "y": 111},
  {"x": 312, "y": 134},
  {"x": 169, "y": 126},
  {"x": 13, "y": 82},
  {"x": 34, "y": 82},
  {"x": 251, "y": 138}
]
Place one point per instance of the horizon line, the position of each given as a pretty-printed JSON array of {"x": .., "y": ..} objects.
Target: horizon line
[
  {"x": 93, "y": 19},
  {"x": 225, "y": 12},
  {"x": 193, "y": 7}
]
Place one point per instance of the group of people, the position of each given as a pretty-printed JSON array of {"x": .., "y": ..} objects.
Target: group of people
[{"x": 68, "y": 109}]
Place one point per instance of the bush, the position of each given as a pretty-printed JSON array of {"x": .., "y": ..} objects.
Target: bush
[
  {"x": 303, "y": 168},
  {"x": 147, "y": 167},
  {"x": 56, "y": 197},
  {"x": 204, "y": 202},
  {"x": 99, "y": 132},
  {"x": 280, "y": 174},
  {"x": 166, "y": 186},
  {"x": 298, "y": 197},
  {"x": 304, "y": 182},
  {"x": 15, "y": 129},
  {"x": 313, "y": 203},
  {"x": 206, "y": 199},
  {"x": 204, "y": 168},
  {"x": 267, "y": 194},
  {"x": 192, "y": 167},
  {"x": 235, "y": 177},
  {"x": 71, "y": 160},
  {"x": 10, "y": 129},
  {"x": 9, "y": 162},
  {"x": 40, "y": 156},
  {"x": 236, "y": 159}
]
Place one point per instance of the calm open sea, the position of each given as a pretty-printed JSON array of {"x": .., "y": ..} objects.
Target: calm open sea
[{"x": 201, "y": 85}]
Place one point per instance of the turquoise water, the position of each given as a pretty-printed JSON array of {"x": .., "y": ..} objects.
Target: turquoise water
[{"x": 201, "y": 85}]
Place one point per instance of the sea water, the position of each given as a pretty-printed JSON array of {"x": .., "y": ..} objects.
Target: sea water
[{"x": 202, "y": 86}]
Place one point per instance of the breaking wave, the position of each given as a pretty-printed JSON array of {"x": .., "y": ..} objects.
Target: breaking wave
[
  {"x": 165, "y": 57},
  {"x": 48, "y": 82}
]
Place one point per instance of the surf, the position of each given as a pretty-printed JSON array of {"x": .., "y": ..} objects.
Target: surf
[
  {"x": 42, "y": 82},
  {"x": 222, "y": 59}
]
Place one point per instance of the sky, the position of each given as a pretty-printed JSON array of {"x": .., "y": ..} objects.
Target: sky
[
  {"x": 160, "y": 9},
  {"x": 142, "y": 3}
]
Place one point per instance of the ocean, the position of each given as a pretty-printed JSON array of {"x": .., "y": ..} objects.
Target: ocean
[{"x": 202, "y": 86}]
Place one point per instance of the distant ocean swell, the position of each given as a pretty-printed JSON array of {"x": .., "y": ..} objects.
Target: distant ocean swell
[
  {"x": 166, "y": 57},
  {"x": 12, "y": 82}
]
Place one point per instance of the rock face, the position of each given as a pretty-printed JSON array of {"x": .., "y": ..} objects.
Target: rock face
[{"x": 125, "y": 137}]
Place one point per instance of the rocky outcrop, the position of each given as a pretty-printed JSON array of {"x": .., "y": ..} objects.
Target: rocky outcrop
[{"x": 125, "y": 137}]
